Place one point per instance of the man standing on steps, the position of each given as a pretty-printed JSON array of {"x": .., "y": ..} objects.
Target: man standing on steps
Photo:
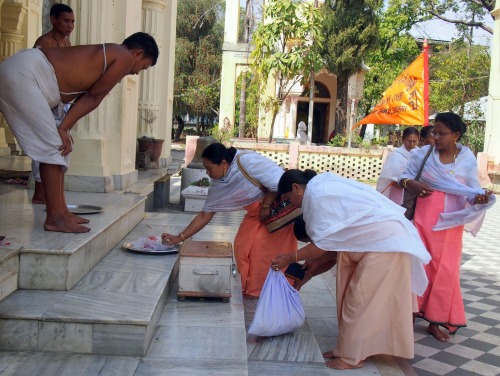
[
  {"x": 35, "y": 85},
  {"x": 63, "y": 22}
]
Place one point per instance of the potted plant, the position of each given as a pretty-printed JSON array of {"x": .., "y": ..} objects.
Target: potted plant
[{"x": 150, "y": 144}]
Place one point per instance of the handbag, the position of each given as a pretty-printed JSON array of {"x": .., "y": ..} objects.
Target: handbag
[
  {"x": 283, "y": 212},
  {"x": 279, "y": 309},
  {"x": 409, "y": 197}
]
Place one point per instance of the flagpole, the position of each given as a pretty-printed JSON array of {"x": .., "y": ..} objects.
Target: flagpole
[{"x": 426, "y": 83}]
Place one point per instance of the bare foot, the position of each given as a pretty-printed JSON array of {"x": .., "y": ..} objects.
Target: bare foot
[
  {"x": 250, "y": 297},
  {"x": 37, "y": 200},
  {"x": 64, "y": 224},
  {"x": 79, "y": 219},
  {"x": 339, "y": 364},
  {"x": 434, "y": 331},
  {"x": 328, "y": 355}
]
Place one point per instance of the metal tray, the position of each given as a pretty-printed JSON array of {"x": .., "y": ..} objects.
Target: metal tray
[
  {"x": 84, "y": 209},
  {"x": 130, "y": 247}
]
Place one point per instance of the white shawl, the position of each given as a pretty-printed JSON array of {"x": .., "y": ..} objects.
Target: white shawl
[
  {"x": 394, "y": 165},
  {"x": 234, "y": 191},
  {"x": 459, "y": 181},
  {"x": 345, "y": 215}
]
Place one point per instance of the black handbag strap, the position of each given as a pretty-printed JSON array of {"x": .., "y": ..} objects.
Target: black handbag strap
[
  {"x": 247, "y": 175},
  {"x": 419, "y": 173}
]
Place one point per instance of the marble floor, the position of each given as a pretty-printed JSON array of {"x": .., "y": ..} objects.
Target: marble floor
[{"x": 208, "y": 337}]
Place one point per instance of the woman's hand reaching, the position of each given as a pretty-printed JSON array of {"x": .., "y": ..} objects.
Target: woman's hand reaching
[
  {"x": 483, "y": 198},
  {"x": 282, "y": 260},
  {"x": 170, "y": 239}
]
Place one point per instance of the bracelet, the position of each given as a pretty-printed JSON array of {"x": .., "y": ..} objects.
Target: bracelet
[
  {"x": 264, "y": 206},
  {"x": 405, "y": 181},
  {"x": 181, "y": 235}
]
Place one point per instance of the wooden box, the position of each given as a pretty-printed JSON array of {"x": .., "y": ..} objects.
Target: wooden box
[{"x": 205, "y": 270}]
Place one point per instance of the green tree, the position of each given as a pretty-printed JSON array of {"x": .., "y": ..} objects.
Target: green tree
[
  {"x": 286, "y": 47},
  {"x": 350, "y": 31},
  {"x": 467, "y": 14},
  {"x": 458, "y": 75},
  {"x": 198, "y": 59},
  {"x": 249, "y": 127},
  {"x": 397, "y": 48}
]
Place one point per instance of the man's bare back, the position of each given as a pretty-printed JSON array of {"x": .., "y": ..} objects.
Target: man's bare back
[{"x": 78, "y": 68}]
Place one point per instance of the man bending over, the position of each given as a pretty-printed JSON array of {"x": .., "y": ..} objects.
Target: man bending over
[{"x": 36, "y": 83}]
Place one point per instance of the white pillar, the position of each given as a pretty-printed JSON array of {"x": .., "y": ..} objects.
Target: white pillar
[
  {"x": 492, "y": 130},
  {"x": 11, "y": 22}
]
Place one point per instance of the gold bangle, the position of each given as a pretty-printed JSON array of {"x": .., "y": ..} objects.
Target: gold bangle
[
  {"x": 264, "y": 206},
  {"x": 405, "y": 182},
  {"x": 181, "y": 235}
]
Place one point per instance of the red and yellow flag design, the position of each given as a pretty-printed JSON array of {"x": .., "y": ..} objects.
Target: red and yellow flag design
[{"x": 406, "y": 101}]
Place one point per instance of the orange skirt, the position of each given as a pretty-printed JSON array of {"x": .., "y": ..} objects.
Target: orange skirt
[
  {"x": 255, "y": 247},
  {"x": 442, "y": 302}
]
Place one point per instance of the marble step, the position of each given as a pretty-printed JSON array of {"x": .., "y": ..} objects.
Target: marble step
[
  {"x": 57, "y": 261},
  {"x": 113, "y": 310},
  {"x": 9, "y": 271}
]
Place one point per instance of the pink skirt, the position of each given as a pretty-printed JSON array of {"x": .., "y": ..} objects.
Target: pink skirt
[{"x": 442, "y": 302}]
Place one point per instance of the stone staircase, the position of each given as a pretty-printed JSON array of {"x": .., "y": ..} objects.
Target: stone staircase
[
  {"x": 85, "y": 294},
  {"x": 80, "y": 292}
]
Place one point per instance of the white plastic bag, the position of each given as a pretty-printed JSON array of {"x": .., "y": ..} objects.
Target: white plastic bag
[
  {"x": 279, "y": 309},
  {"x": 151, "y": 243}
]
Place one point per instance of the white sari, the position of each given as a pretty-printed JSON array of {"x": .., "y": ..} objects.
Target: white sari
[
  {"x": 345, "y": 215},
  {"x": 234, "y": 191},
  {"x": 394, "y": 165},
  {"x": 459, "y": 180}
]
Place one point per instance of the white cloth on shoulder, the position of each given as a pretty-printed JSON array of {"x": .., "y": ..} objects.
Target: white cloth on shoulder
[
  {"x": 394, "y": 165},
  {"x": 345, "y": 215},
  {"x": 459, "y": 181},
  {"x": 234, "y": 191},
  {"x": 31, "y": 103}
]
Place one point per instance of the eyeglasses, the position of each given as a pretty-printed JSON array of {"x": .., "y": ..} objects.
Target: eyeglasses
[{"x": 440, "y": 134}]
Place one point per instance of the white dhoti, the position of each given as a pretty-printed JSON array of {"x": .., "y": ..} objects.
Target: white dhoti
[{"x": 31, "y": 103}]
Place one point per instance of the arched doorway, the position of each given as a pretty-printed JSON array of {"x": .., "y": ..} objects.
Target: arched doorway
[{"x": 321, "y": 112}]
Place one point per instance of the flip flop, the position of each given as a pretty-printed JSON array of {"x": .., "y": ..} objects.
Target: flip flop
[{"x": 339, "y": 364}]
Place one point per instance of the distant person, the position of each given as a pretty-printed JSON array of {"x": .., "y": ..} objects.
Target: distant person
[
  {"x": 302, "y": 137},
  {"x": 426, "y": 136},
  {"x": 63, "y": 22},
  {"x": 450, "y": 201},
  {"x": 35, "y": 85},
  {"x": 395, "y": 164},
  {"x": 180, "y": 128}
]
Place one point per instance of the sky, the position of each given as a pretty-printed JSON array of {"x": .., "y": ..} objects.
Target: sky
[{"x": 437, "y": 29}]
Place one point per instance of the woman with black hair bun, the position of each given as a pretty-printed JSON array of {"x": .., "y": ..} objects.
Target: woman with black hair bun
[
  {"x": 450, "y": 201},
  {"x": 395, "y": 164},
  {"x": 243, "y": 180},
  {"x": 380, "y": 261}
]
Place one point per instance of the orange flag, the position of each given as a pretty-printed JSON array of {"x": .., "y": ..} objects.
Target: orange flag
[{"x": 406, "y": 101}]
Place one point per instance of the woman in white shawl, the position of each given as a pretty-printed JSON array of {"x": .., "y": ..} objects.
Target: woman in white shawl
[
  {"x": 451, "y": 200},
  {"x": 379, "y": 263},
  {"x": 395, "y": 164},
  {"x": 230, "y": 190}
]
